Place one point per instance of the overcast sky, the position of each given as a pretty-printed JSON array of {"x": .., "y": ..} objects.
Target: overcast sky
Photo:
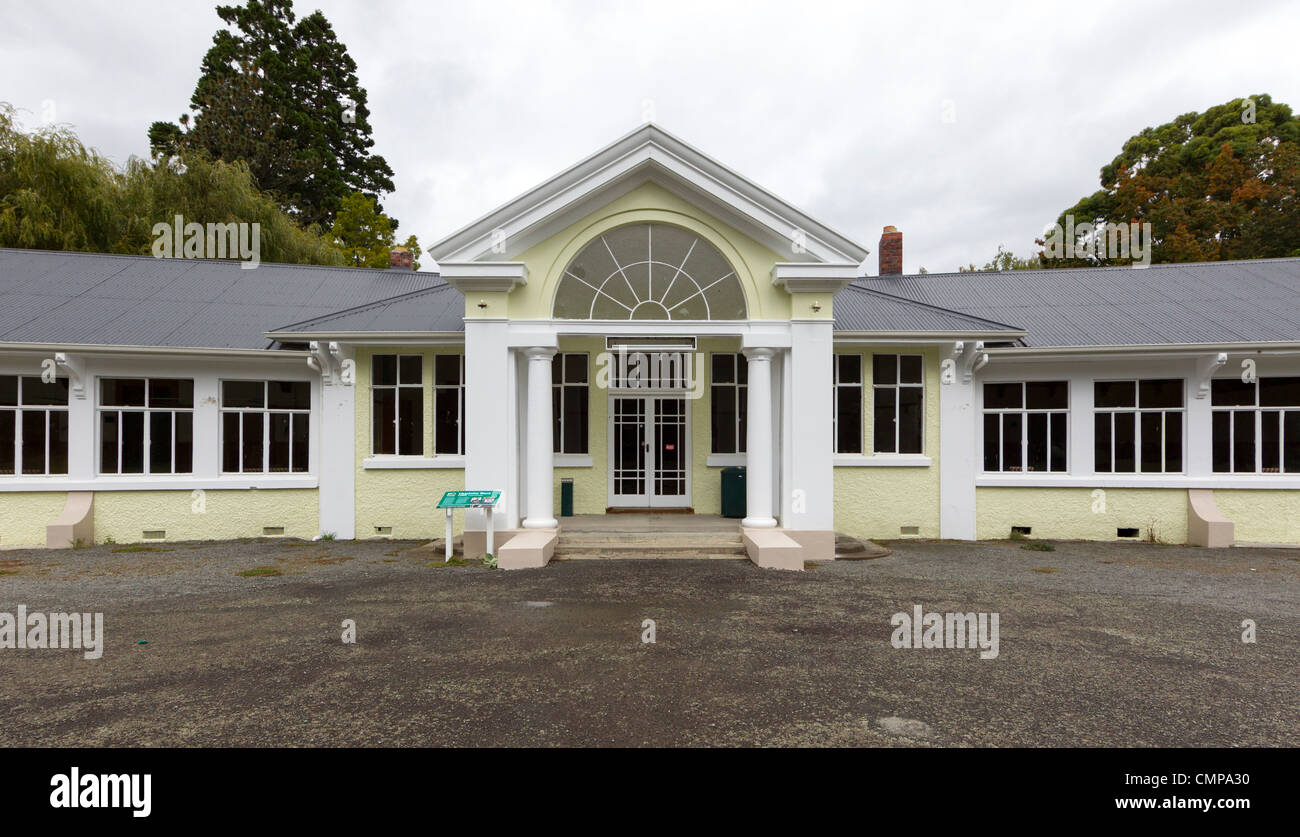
[{"x": 838, "y": 108}]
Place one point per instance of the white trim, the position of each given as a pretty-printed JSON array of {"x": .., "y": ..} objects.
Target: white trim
[
  {"x": 883, "y": 460},
  {"x": 155, "y": 483},
  {"x": 483, "y": 277},
  {"x": 1180, "y": 481},
  {"x": 573, "y": 460},
  {"x": 398, "y": 463},
  {"x": 828, "y": 278},
  {"x": 725, "y": 460}
]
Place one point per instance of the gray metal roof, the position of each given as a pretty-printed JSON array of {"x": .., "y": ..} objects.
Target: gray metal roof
[
  {"x": 866, "y": 309},
  {"x": 439, "y": 308},
  {"x": 1201, "y": 303},
  {"x": 97, "y": 299}
]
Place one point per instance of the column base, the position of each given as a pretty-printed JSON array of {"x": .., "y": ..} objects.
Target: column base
[
  {"x": 759, "y": 523},
  {"x": 534, "y": 523}
]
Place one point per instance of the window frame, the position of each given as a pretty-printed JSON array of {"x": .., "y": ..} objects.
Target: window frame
[
  {"x": 18, "y": 409},
  {"x": 560, "y": 386},
  {"x": 266, "y": 412},
  {"x": 740, "y": 394},
  {"x": 838, "y": 385},
  {"x": 897, "y": 386},
  {"x": 396, "y": 387},
  {"x": 146, "y": 411},
  {"x": 458, "y": 389},
  {"x": 1258, "y": 410},
  {"x": 1137, "y": 410},
  {"x": 1024, "y": 412}
]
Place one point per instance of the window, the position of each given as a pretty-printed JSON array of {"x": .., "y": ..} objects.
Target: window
[
  {"x": 1138, "y": 426},
  {"x": 649, "y": 272},
  {"x": 1025, "y": 426},
  {"x": 397, "y": 415},
  {"x": 265, "y": 426},
  {"x": 729, "y": 401},
  {"x": 847, "y": 420},
  {"x": 898, "y": 393},
  {"x": 1256, "y": 425},
  {"x": 569, "y": 402},
  {"x": 449, "y": 404},
  {"x": 146, "y": 426},
  {"x": 33, "y": 425}
]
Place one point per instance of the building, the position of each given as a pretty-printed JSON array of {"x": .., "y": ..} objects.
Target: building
[{"x": 635, "y": 324}]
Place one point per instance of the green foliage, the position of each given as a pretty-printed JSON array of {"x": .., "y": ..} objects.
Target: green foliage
[
  {"x": 490, "y": 561},
  {"x": 365, "y": 235},
  {"x": 59, "y": 195},
  {"x": 282, "y": 95},
  {"x": 1005, "y": 260},
  {"x": 1214, "y": 186}
]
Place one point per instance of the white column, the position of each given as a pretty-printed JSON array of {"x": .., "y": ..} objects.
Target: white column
[
  {"x": 812, "y": 470},
  {"x": 541, "y": 460},
  {"x": 336, "y": 456},
  {"x": 959, "y": 442},
  {"x": 759, "y": 442},
  {"x": 490, "y": 432}
]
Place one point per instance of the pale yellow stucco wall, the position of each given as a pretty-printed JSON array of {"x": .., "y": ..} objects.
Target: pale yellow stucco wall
[
  {"x": 1262, "y": 516},
  {"x": 1076, "y": 513},
  {"x": 876, "y": 502},
  {"x": 403, "y": 499},
  {"x": 590, "y": 485},
  {"x": 23, "y": 517}
]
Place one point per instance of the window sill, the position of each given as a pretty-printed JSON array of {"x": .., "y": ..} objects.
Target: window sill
[
  {"x": 572, "y": 460},
  {"x": 148, "y": 482},
  {"x": 1179, "y": 481},
  {"x": 883, "y": 460},
  {"x": 396, "y": 463},
  {"x": 724, "y": 460}
]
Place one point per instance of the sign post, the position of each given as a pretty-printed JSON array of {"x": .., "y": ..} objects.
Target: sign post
[{"x": 485, "y": 500}]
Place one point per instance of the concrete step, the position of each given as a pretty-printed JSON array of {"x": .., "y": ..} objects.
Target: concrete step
[
  {"x": 648, "y": 550},
  {"x": 633, "y": 556},
  {"x": 672, "y": 541}
]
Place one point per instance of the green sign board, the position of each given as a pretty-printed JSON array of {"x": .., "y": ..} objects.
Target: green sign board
[{"x": 469, "y": 499}]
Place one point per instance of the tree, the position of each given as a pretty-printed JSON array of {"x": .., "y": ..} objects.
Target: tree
[
  {"x": 282, "y": 95},
  {"x": 56, "y": 194},
  {"x": 365, "y": 235},
  {"x": 1005, "y": 260},
  {"x": 1214, "y": 186}
]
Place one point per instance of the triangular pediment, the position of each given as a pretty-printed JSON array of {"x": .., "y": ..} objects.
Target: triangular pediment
[{"x": 647, "y": 155}]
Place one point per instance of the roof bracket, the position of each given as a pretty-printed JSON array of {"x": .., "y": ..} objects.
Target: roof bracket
[
  {"x": 328, "y": 359},
  {"x": 1205, "y": 369},
  {"x": 75, "y": 366},
  {"x": 973, "y": 359}
]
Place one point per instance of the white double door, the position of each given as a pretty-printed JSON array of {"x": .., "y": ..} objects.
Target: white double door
[{"x": 649, "y": 451}]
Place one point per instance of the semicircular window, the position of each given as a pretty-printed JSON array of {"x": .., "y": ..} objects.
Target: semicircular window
[{"x": 649, "y": 272}]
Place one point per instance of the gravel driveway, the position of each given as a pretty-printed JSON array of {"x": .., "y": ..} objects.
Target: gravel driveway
[{"x": 1100, "y": 644}]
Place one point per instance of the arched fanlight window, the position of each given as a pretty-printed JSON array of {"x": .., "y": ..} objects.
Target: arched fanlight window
[{"x": 649, "y": 272}]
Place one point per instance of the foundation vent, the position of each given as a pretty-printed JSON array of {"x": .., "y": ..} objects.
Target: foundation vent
[
  {"x": 1022, "y": 531},
  {"x": 272, "y": 530},
  {"x": 383, "y": 530},
  {"x": 909, "y": 530},
  {"x": 153, "y": 534},
  {"x": 1127, "y": 533}
]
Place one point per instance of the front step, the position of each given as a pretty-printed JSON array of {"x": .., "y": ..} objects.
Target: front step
[{"x": 586, "y": 545}]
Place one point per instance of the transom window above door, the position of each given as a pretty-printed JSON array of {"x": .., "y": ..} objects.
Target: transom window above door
[{"x": 649, "y": 272}]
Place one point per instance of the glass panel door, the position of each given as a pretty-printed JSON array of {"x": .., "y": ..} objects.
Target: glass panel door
[{"x": 649, "y": 452}]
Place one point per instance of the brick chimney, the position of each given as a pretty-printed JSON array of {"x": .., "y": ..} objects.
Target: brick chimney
[
  {"x": 891, "y": 252},
  {"x": 399, "y": 258}
]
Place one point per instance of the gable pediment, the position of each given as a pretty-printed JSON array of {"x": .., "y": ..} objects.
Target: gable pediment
[{"x": 647, "y": 155}]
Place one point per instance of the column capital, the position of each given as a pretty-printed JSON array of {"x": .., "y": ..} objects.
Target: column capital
[
  {"x": 759, "y": 353},
  {"x": 540, "y": 352}
]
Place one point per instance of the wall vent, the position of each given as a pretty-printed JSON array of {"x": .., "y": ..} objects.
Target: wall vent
[
  {"x": 153, "y": 534},
  {"x": 383, "y": 530},
  {"x": 1023, "y": 531},
  {"x": 1127, "y": 533},
  {"x": 909, "y": 530},
  {"x": 272, "y": 530}
]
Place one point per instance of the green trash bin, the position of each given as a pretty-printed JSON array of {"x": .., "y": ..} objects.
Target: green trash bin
[
  {"x": 566, "y": 497},
  {"x": 733, "y": 491}
]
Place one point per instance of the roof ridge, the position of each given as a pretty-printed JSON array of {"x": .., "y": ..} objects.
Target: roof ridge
[
  {"x": 1069, "y": 270},
  {"x": 932, "y": 307},
  {"x": 365, "y": 306}
]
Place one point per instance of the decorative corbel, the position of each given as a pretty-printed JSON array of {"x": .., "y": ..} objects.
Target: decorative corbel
[
  {"x": 342, "y": 358},
  {"x": 1205, "y": 369},
  {"x": 75, "y": 367},
  {"x": 320, "y": 361},
  {"x": 973, "y": 359}
]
